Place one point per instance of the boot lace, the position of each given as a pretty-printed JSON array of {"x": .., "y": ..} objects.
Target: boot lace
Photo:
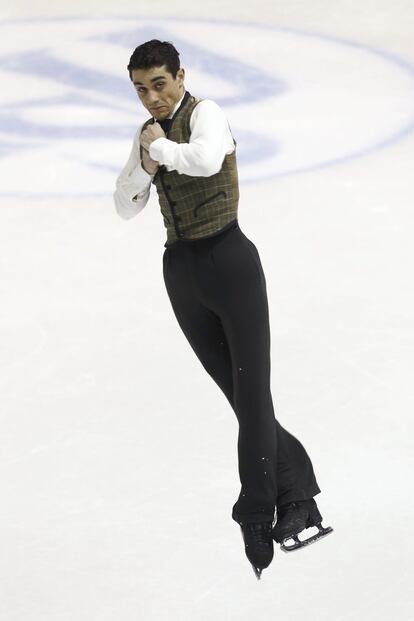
[{"x": 261, "y": 531}]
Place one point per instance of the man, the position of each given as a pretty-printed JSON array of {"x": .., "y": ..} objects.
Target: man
[{"x": 217, "y": 288}]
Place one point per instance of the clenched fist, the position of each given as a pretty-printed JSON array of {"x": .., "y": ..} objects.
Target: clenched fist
[
  {"x": 151, "y": 133},
  {"x": 148, "y": 164}
]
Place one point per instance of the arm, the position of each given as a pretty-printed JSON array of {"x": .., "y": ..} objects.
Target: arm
[
  {"x": 210, "y": 140},
  {"x": 132, "y": 185}
]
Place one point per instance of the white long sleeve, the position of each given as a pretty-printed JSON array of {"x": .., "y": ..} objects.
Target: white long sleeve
[
  {"x": 133, "y": 184},
  {"x": 210, "y": 141},
  {"x": 202, "y": 156}
]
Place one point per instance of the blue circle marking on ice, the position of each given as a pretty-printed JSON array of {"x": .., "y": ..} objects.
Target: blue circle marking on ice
[{"x": 296, "y": 101}]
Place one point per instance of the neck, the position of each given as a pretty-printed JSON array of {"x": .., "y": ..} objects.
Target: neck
[{"x": 180, "y": 95}]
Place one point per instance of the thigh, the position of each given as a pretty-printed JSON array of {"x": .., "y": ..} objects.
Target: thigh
[
  {"x": 240, "y": 299},
  {"x": 201, "y": 325}
]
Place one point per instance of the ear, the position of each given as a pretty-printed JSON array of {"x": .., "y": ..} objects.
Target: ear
[{"x": 181, "y": 73}]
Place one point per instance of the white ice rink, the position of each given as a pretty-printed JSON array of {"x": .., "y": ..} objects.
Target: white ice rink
[{"x": 117, "y": 476}]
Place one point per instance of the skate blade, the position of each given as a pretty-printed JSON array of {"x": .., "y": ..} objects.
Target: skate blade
[
  {"x": 298, "y": 545},
  {"x": 257, "y": 571}
]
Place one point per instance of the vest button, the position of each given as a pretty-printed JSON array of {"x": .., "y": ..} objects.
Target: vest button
[
  {"x": 168, "y": 187},
  {"x": 180, "y": 234},
  {"x": 173, "y": 203}
]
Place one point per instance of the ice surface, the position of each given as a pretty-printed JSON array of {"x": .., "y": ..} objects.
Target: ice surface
[{"x": 117, "y": 474}]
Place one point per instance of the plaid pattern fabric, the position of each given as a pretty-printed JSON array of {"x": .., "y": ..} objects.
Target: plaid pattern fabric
[{"x": 194, "y": 207}]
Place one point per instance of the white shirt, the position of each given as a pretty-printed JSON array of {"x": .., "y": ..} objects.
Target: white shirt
[{"x": 202, "y": 156}]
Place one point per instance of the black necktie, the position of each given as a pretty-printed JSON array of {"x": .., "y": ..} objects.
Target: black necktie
[{"x": 165, "y": 124}]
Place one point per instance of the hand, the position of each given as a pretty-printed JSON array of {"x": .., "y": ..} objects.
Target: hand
[
  {"x": 151, "y": 133},
  {"x": 148, "y": 164}
]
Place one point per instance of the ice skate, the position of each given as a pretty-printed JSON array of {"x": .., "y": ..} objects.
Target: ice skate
[
  {"x": 258, "y": 543},
  {"x": 293, "y": 518}
]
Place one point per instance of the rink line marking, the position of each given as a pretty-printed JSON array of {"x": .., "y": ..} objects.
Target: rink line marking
[{"x": 385, "y": 55}]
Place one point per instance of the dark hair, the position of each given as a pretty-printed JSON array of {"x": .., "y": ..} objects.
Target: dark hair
[{"x": 155, "y": 53}]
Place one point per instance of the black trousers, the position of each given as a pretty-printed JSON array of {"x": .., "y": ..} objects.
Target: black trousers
[{"x": 217, "y": 289}]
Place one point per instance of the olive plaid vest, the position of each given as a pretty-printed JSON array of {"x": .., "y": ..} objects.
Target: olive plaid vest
[{"x": 193, "y": 206}]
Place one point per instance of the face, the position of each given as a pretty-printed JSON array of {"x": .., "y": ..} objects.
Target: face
[{"x": 157, "y": 90}]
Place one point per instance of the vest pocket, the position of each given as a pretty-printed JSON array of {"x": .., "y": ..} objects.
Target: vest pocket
[{"x": 222, "y": 193}]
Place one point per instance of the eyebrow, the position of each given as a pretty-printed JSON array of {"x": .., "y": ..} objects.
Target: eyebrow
[{"x": 159, "y": 77}]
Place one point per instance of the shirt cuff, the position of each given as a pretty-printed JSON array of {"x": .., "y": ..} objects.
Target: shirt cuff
[{"x": 159, "y": 149}]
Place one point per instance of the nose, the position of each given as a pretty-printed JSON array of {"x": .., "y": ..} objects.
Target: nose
[{"x": 153, "y": 100}]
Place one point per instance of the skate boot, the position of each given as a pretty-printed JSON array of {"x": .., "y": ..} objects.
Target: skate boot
[
  {"x": 293, "y": 518},
  {"x": 258, "y": 544}
]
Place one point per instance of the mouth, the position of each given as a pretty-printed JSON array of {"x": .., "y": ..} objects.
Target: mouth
[{"x": 157, "y": 109}]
